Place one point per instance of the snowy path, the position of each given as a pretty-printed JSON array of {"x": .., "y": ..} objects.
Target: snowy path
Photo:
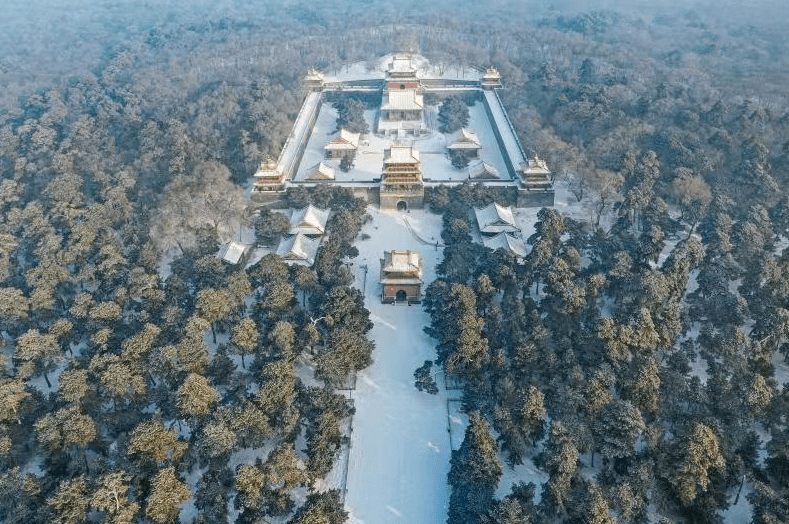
[{"x": 399, "y": 456}]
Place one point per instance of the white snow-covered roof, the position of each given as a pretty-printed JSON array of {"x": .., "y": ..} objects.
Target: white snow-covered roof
[
  {"x": 232, "y": 252},
  {"x": 314, "y": 75},
  {"x": 298, "y": 249},
  {"x": 483, "y": 170},
  {"x": 268, "y": 169},
  {"x": 506, "y": 242},
  {"x": 401, "y": 155},
  {"x": 536, "y": 165},
  {"x": 464, "y": 139},
  {"x": 536, "y": 173},
  {"x": 492, "y": 73},
  {"x": 347, "y": 141},
  {"x": 402, "y": 100},
  {"x": 491, "y": 78},
  {"x": 309, "y": 220},
  {"x": 401, "y": 261},
  {"x": 320, "y": 171},
  {"x": 495, "y": 219},
  {"x": 404, "y": 267}
]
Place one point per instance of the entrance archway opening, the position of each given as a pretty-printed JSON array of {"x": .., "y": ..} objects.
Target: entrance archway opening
[
  {"x": 401, "y": 296},
  {"x": 402, "y": 205}
]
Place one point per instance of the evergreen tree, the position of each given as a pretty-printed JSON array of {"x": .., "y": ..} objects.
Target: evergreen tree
[
  {"x": 533, "y": 413},
  {"x": 269, "y": 225},
  {"x": 453, "y": 114},
  {"x": 474, "y": 474},
  {"x": 245, "y": 337},
  {"x": 617, "y": 429},
  {"x": 111, "y": 496},
  {"x": 70, "y": 502},
  {"x": 196, "y": 396},
  {"x": 168, "y": 492},
  {"x": 350, "y": 115},
  {"x": 695, "y": 457},
  {"x": 561, "y": 461},
  {"x": 323, "y": 508},
  {"x": 155, "y": 442}
]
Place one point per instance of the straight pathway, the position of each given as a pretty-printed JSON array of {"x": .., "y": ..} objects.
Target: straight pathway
[{"x": 399, "y": 457}]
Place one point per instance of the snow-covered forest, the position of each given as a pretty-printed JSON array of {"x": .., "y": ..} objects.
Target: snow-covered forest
[{"x": 636, "y": 357}]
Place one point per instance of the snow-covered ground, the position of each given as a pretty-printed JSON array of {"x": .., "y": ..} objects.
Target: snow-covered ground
[
  {"x": 402, "y": 438},
  {"x": 369, "y": 157},
  {"x": 368, "y": 164},
  {"x": 436, "y": 163},
  {"x": 781, "y": 369},
  {"x": 742, "y": 511},
  {"x": 400, "y": 450}
]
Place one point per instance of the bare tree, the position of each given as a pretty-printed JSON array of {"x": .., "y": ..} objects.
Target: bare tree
[{"x": 204, "y": 200}]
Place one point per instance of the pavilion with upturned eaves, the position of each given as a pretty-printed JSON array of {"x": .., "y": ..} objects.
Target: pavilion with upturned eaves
[
  {"x": 298, "y": 249},
  {"x": 401, "y": 276},
  {"x": 269, "y": 177},
  {"x": 491, "y": 79},
  {"x": 401, "y": 73},
  {"x": 309, "y": 220},
  {"x": 494, "y": 218},
  {"x": 535, "y": 174},
  {"x": 320, "y": 172},
  {"x": 483, "y": 171},
  {"x": 401, "y": 106}
]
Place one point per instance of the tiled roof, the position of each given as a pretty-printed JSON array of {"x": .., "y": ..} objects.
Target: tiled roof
[
  {"x": 402, "y": 100},
  {"x": 536, "y": 173},
  {"x": 401, "y": 64},
  {"x": 506, "y": 242},
  {"x": 399, "y": 262},
  {"x": 347, "y": 141},
  {"x": 495, "y": 219},
  {"x": 536, "y": 165},
  {"x": 232, "y": 252},
  {"x": 298, "y": 249},
  {"x": 465, "y": 139},
  {"x": 309, "y": 220},
  {"x": 320, "y": 171},
  {"x": 492, "y": 73},
  {"x": 268, "y": 169},
  {"x": 401, "y": 155},
  {"x": 483, "y": 170}
]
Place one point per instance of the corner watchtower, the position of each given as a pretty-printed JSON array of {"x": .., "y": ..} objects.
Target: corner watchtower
[
  {"x": 491, "y": 79},
  {"x": 313, "y": 81}
]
